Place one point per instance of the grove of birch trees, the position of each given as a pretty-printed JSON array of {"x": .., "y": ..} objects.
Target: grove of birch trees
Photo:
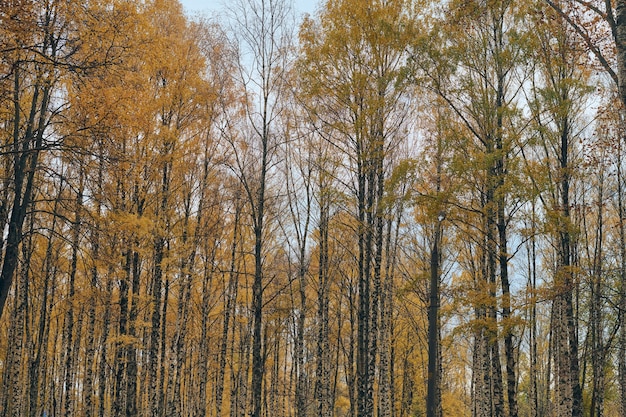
[{"x": 389, "y": 208}]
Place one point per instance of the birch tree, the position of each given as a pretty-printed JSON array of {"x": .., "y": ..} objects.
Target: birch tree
[{"x": 261, "y": 30}]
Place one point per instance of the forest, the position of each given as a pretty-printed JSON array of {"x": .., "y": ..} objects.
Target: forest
[{"x": 386, "y": 208}]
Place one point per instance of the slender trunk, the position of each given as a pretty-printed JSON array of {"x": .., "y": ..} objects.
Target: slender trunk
[
  {"x": 620, "y": 42},
  {"x": 370, "y": 178},
  {"x": 156, "y": 330},
  {"x": 551, "y": 367},
  {"x": 322, "y": 383},
  {"x": 68, "y": 341},
  {"x": 203, "y": 356},
  {"x": 408, "y": 385},
  {"x": 492, "y": 365},
  {"x": 130, "y": 348},
  {"x": 485, "y": 334},
  {"x": 511, "y": 378},
  {"x": 90, "y": 348},
  {"x": 187, "y": 264},
  {"x": 302, "y": 235},
  {"x": 433, "y": 401},
  {"x": 258, "y": 202},
  {"x": 596, "y": 317},
  {"x": 363, "y": 316},
  {"x": 568, "y": 278},
  {"x": 38, "y": 358},
  {"x": 76, "y": 349},
  {"x": 103, "y": 367},
  {"x": 378, "y": 223},
  {"x": 45, "y": 361},
  {"x": 119, "y": 401},
  {"x": 391, "y": 273},
  {"x": 351, "y": 370},
  {"x": 162, "y": 392},
  {"x": 301, "y": 380},
  {"x": 433, "y": 390},
  {"x": 231, "y": 298},
  {"x": 532, "y": 277},
  {"x": 179, "y": 345},
  {"x": 387, "y": 403},
  {"x": 622, "y": 281},
  {"x": 271, "y": 407},
  {"x": 15, "y": 405},
  {"x": 239, "y": 389},
  {"x": 257, "y": 311},
  {"x": 25, "y": 167}
]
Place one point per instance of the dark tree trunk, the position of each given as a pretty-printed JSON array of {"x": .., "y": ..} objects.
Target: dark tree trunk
[
  {"x": 229, "y": 309},
  {"x": 103, "y": 366},
  {"x": 130, "y": 348},
  {"x": 622, "y": 282},
  {"x": 323, "y": 361},
  {"x": 68, "y": 333},
  {"x": 596, "y": 316},
  {"x": 119, "y": 397},
  {"x": 26, "y": 146},
  {"x": 620, "y": 42},
  {"x": 433, "y": 400}
]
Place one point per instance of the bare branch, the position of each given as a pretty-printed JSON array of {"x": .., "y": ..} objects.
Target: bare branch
[{"x": 585, "y": 37}]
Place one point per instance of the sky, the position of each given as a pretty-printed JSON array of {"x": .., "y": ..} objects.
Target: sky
[{"x": 211, "y": 6}]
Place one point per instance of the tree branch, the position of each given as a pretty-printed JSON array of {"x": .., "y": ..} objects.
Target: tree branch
[{"x": 585, "y": 37}]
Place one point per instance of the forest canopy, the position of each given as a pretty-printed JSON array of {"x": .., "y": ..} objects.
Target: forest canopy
[{"x": 385, "y": 208}]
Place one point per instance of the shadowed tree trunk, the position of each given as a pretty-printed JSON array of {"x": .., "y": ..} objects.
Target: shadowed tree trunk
[
  {"x": 322, "y": 391},
  {"x": 622, "y": 282},
  {"x": 68, "y": 332},
  {"x": 229, "y": 307},
  {"x": 27, "y": 141}
]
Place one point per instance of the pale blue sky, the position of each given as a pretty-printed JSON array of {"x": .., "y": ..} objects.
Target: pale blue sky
[{"x": 211, "y": 6}]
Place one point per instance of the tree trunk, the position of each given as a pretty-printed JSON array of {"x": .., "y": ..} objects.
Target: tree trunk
[
  {"x": 179, "y": 345},
  {"x": 119, "y": 400},
  {"x": 40, "y": 347},
  {"x": 130, "y": 348},
  {"x": 620, "y": 43},
  {"x": 229, "y": 310},
  {"x": 90, "y": 348},
  {"x": 68, "y": 332},
  {"x": 597, "y": 328},
  {"x": 433, "y": 389},
  {"x": 323, "y": 360},
  {"x": 103, "y": 367},
  {"x": 162, "y": 392},
  {"x": 532, "y": 292},
  {"x": 258, "y": 365},
  {"x": 622, "y": 281},
  {"x": 239, "y": 376},
  {"x": 156, "y": 330},
  {"x": 433, "y": 399},
  {"x": 27, "y": 149},
  {"x": 19, "y": 326},
  {"x": 301, "y": 380}
]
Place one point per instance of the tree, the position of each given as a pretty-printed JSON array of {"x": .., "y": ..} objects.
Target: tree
[
  {"x": 262, "y": 31},
  {"x": 602, "y": 28},
  {"x": 475, "y": 72},
  {"x": 433, "y": 196},
  {"x": 561, "y": 89},
  {"x": 354, "y": 60},
  {"x": 35, "y": 57}
]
